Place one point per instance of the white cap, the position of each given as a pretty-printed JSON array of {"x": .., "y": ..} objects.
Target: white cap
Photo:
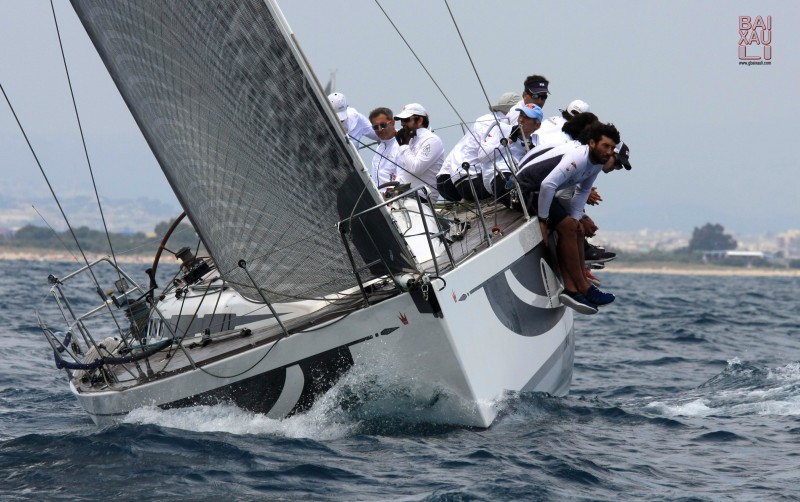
[
  {"x": 577, "y": 106},
  {"x": 411, "y": 109},
  {"x": 506, "y": 101},
  {"x": 339, "y": 103}
]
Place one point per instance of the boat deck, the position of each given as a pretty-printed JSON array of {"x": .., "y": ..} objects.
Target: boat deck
[
  {"x": 198, "y": 352},
  {"x": 474, "y": 239}
]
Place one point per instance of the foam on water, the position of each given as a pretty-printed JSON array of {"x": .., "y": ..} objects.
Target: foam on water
[
  {"x": 741, "y": 390},
  {"x": 231, "y": 419},
  {"x": 789, "y": 373},
  {"x": 696, "y": 408}
]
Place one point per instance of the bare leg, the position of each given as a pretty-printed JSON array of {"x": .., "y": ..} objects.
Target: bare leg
[
  {"x": 569, "y": 284},
  {"x": 582, "y": 283},
  {"x": 570, "y": 234}
]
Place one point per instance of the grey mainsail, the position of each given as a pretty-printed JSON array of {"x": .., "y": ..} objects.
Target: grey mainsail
[{"x": 245, "y": 139}]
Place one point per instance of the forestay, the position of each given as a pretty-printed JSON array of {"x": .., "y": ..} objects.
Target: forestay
[{"x": 242, "y": 132}]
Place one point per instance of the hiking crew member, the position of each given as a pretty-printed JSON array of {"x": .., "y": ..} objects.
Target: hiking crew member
[{"x": 562, "y": 167}]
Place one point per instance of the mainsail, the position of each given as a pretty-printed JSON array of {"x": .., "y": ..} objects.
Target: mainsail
[{"x": 243, "y": 134}]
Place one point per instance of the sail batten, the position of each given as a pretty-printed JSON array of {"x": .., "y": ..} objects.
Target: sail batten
[{"x": 237, "y": 124}]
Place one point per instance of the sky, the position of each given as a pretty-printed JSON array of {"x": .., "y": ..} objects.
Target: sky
[{"x": 711, "y": 140}]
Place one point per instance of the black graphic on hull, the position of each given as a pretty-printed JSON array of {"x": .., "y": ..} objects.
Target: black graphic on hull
[
  {"x": 260, "y": 393},
  {"x": 321, "y": 372},
  {"x": 516, "y": 315}
]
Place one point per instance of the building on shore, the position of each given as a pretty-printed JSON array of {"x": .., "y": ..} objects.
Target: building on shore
[{"x": 789, "y": 243}]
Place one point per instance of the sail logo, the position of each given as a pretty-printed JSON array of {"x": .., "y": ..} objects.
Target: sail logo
[{"x": 755, "y": 40}]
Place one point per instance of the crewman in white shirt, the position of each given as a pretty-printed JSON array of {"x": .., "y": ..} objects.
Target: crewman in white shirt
[
  {"x": 520, "y": 141},
  {"x": 551, "y": 130},
  {"x": 355, "y": 123},
  {"x": 479, "y": 148},
  {"x": 386, "y": 160},
  {"x": 421, "y": 151},
  {"x": 534, "y": 92}
]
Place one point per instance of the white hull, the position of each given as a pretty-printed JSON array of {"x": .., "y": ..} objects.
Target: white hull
[{"x": 498, "y": 330}]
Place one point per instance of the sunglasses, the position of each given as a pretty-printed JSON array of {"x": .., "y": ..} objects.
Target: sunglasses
[
  {"x": 541, "y": 95},
  {"x": 408, "y": 119},
  {"x": 382, "y": 125}
]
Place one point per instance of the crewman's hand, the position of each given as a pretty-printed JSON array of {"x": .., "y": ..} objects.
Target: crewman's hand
[
  {"x": 589, "y": 227},
  {"x": 594, "y": 197},
  {"x": 543, "y": 228},
  {"x": 402, "y": 136}
]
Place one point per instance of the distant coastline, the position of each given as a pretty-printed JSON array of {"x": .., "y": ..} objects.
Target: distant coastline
[
  {"x": 32, "y": 254},
  {"x": 616, "y": 266},
  {"x": 678, "y": 268}
]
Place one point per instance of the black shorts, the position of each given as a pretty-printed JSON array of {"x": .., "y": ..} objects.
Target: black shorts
[{"x": 556, "y": 215}]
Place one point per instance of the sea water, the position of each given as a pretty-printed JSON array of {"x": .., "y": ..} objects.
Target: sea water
[{"x": 686, "y": 388}]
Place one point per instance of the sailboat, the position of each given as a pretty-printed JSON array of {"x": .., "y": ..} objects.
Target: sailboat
[{"x": 310, "y": 272}]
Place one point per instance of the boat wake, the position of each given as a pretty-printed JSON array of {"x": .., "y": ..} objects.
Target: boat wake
[{"x": 741, "y": 390}]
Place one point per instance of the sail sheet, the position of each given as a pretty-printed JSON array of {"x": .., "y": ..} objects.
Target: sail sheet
[{"x": 245, "y": 138}]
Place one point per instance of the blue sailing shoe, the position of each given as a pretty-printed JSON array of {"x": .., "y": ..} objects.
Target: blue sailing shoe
[
  {"x": 597, "y": 297},
  {"x": 577, "y": 302}
]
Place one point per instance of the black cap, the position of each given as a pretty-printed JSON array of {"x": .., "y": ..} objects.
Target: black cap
[
  {"x": 537, "y": 87},
  {"x": 623, "y": 156}
]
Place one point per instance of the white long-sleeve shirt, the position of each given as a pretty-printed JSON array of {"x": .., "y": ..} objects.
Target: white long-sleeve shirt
[
  {"x": 513, "y": 113},
  {"x": 476, "y": 147},
  {"x": 550, "y": 133},
  {"x": 421, "y": 160},
  {"x": 358, "y": 126},
  {"x": 385, "y": 161},
  {"x": 498, "y": 160},
  {"x": 574, "y": 169}
]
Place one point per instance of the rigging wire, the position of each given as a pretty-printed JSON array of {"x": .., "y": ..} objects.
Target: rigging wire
[
  {"x": 475, "y": 70},
  {"x": 277, "y": 249},
  {"x": 435, "y": 83},
  {"x": 47, "y": 180},
  {"x": 469, "y": 56},
  {"x": 64, "y": 215},
  {"x": 88, "y": 161},
  {"x": 369, "y": 146},
  {"x": 83, "y": 139},
  {"x": 55, "y": 198},
  {"x": 478, "y": 77},
  {"x": 134, "y": 327},
  {"x": 64, "y": 244}
]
